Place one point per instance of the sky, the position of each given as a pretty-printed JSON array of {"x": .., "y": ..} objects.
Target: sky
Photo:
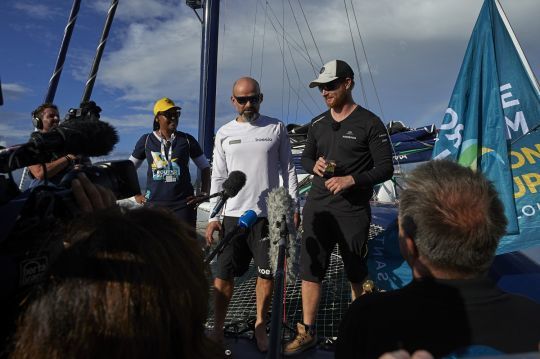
[{"x": 414, "y": 49}]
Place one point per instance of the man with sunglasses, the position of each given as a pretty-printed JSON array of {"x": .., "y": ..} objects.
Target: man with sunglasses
[
  {"x": 348, "y": 152},
  {"x": 167, "y": 152},
  {"x": 258, "y": 146}
]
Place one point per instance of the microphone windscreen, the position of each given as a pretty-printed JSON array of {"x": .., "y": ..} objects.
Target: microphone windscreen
[
  {"x": 234, "y": 183},
  {"x": 280, "y": 204},
  {"x": 79, "y": 137},
  {"x": 90, "y": 138}
]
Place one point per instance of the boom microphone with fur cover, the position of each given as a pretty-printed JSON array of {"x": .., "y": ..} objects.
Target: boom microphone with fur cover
[
  {"x": 280, "y": 204},
  {"x": 78, "y": 137}
]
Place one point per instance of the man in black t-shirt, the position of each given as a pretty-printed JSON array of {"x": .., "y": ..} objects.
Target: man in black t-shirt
[
  {"x": 348, "y": 151},
  {"x": 450, "y": 223}
]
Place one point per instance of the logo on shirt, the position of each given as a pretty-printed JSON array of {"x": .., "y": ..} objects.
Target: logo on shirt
[
  {"x": 350, "y": 135},
  {"x": 265, "y": 139}
]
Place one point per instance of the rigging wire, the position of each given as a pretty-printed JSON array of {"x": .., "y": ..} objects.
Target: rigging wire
[
  {"x": 301, "y": 84},
  {"x": 253, "y": 39},
  {"x": 283, "y": 67},
  {"x": 302, "y": 37},
  {"x": 300, "y": 87},
  {"x": 264, "y": 36},
  {"x": 311, "y": 33},
  {"x": 286, "y": 72},
  {"x": 296, "y": 46},
  {"x": 356, "y": 57},
  {"x": 367, "y": 62}
]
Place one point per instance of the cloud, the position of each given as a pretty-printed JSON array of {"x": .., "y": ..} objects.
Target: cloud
[
  {"x": 412, "y": 46},
  {"x": 14, "y": 91},
  {"x": 37, "y": 11}
]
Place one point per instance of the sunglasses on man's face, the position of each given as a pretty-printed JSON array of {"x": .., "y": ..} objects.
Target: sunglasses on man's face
[
  {"x": 331, "y": 86},
  {"x": 242, "y": 100}
]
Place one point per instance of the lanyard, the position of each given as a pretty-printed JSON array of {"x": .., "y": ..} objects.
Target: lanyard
[{"x": 163, "y": 146}]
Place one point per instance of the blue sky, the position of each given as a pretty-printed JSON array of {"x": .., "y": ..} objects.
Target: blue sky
[{"x": 414, "y": 48}]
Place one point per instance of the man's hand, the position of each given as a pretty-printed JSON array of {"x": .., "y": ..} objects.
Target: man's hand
[
  {"x": 140, "y": 198},
  {"x": 91, "y": 197},
  {"x": 338, "y": 184},
  {"x": 212, "y": 227},
  {"x": 319, "y": 167},
  {"x": 296, "y": 220}
]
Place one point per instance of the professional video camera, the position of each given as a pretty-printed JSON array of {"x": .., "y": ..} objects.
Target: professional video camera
[
  {"x": 88, "y": 111},
  {"x": 33, "y": 220}
]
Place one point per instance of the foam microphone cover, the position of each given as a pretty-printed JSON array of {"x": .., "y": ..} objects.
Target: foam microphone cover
[
  {"x": 79, "y": 137},
  {"x": 280, "y": 203},
  {"x": 234, "y": 183}
]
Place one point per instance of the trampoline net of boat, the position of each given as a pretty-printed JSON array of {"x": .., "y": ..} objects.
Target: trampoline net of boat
[{"x": 335, "y": 299}]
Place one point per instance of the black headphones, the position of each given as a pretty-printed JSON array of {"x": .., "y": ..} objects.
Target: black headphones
[{"x": 36, "y": 121}]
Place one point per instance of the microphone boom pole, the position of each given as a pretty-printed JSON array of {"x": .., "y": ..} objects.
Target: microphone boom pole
[{"x": 276, "y": 323}]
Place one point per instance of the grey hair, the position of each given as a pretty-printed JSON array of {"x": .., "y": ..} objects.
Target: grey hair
[{"x": 454, "y": 216}]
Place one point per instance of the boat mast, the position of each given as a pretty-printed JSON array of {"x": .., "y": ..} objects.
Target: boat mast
[{"x": 209, "y": 52}]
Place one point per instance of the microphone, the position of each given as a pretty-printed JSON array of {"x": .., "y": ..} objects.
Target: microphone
[
  {"x": 78, "y": 137},
  {"x": 245, "y": 222},
  {"x": 280, "y": 206},
  {"x": 336, "y": 125},
  {"x": 232, "y": 185}
]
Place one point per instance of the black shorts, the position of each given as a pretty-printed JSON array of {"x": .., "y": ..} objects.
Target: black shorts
[
  {"x": 236, "y": 256},
  {"x": 322, "y": 230}
]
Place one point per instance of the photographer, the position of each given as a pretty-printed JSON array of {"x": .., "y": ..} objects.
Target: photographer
[{"x": 45, "y": 118}]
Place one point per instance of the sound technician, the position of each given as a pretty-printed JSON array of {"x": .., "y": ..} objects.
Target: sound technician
[
  {"x": 258, "y": 146},
  {"x": 348, "y": 151},
  {"x": 45, "y": 118}
]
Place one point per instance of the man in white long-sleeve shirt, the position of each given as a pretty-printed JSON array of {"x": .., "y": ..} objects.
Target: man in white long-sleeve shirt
[{"x": 258, "y": 146}]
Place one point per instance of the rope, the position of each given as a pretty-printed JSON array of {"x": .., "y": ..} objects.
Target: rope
[
  {"x": 367, "y": 62},
  {"x": 253, "y": 39},
  {"x": 294, "y": 43},
  {"x": 283, "y": 69},
  {"x": 356, "y": 57},
  {"x": 302, "y": 37},
  {"x": 264, "y": 36},
  {"x": 311, "y": 33}
]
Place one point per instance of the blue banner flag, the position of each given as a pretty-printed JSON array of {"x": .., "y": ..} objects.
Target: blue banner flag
[{"x": 491, "y": 123}]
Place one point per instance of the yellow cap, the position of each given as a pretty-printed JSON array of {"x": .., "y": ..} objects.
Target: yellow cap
[{"x": 164, "y": 104}]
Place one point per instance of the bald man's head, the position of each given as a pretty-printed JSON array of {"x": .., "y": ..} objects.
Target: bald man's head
[{"x": 246, "y": 99}]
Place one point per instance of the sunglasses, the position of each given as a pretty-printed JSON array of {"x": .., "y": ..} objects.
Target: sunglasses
[
  {"x": 331, "y": 86},
  {"x": 242, "y": 100},
  {"x": 172, "y": 114}
]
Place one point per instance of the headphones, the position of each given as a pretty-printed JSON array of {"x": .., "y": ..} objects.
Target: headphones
[{"x": 36, "y": 121}]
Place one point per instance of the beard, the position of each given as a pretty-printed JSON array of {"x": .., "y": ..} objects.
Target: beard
[
  {"x": 250, "y": 115},
  {"x": 336, "y": 101}
]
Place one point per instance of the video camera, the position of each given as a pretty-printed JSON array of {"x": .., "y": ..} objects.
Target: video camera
[
  {"x": 88, "y": 111},
  {"x": 32, "y": 221}
]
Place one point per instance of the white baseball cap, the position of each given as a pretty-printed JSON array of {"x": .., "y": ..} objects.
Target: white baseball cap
[{"x": 331, "y": 71}]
